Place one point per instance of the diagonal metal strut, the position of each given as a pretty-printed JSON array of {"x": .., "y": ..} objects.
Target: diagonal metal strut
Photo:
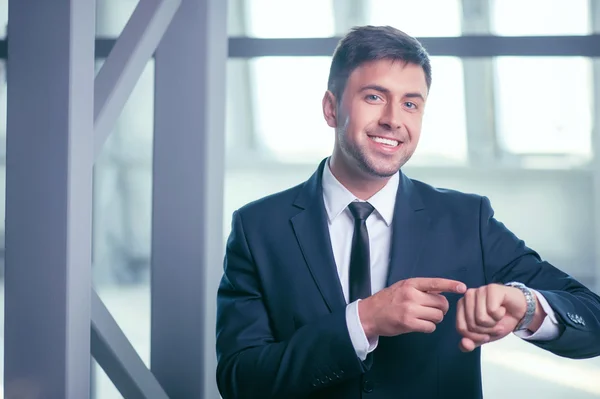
[
  {"x": 119, "y": 359},
  {"x": 130, "y": 54},
  {"x": 113, "y": 86}
]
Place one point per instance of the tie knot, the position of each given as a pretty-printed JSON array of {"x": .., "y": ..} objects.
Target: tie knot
[{"x": 361, "y": 210}]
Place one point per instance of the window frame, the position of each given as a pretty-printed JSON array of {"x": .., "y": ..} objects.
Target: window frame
[{"x": 477, "y": 48}]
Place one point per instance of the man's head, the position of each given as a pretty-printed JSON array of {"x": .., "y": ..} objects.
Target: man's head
[{"x": 378, "y": 84}]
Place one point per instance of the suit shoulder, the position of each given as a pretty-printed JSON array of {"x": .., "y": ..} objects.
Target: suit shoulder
[
  {"x": 446, "y": 198},
  {"x": 272, "y": 203}
]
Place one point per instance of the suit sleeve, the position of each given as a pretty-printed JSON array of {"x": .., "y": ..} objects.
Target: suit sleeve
[
  {"x": 577, "y": 309},
  {"x": 251, "y": 362}
]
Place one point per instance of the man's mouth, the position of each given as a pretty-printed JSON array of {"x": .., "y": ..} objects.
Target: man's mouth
[{"x": 385, "y": 141}]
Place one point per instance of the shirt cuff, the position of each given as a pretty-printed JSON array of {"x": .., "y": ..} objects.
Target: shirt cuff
[
  {"x": 549, "y": 329},
  {"x": 361, "y": 344}
]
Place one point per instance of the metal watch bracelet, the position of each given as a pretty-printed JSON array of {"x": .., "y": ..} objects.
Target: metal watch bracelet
[{"x": 530, "y": 300}]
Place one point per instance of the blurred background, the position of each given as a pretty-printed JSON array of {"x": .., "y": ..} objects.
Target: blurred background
[{"x": 520, "y": 130}]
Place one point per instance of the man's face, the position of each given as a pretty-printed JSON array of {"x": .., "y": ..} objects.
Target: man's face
[{"x": 378, "y": 120}]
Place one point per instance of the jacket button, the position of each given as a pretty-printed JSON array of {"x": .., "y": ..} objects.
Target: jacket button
[{"x": 368, "y": 386}]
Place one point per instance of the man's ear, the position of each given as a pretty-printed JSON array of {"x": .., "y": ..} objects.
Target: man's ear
[{"x": 329, "y": 109}]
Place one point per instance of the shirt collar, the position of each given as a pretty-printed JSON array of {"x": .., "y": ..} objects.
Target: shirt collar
[{"x": 337, "y": 197}]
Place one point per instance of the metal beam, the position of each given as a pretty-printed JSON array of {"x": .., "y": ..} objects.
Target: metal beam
[
  {"x": 460, "y": 46},
  {"x": 187, "y": 213},
  {"x": 115, "y": 354},
  {"x": 49, "y": 199},
  {"x": 126, "y": 61}
]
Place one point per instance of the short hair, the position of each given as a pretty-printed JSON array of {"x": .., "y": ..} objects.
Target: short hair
[{"x": 370, "y": 43}]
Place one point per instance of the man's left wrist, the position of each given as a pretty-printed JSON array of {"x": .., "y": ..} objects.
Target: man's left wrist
[{"x": 527, "y": 321}]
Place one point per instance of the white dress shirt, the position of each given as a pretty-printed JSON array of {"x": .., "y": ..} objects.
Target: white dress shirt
[{"x": 379, "y": 225}]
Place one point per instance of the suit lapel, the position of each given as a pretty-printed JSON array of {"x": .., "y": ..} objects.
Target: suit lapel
[
  {"x": 410, "y": 226},
  {"x": 312, "y": 233}
]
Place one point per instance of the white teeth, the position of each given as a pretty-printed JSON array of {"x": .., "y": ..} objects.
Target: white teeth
[{"x": 381, "y": 140}]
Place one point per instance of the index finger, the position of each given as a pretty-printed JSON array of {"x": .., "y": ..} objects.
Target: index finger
[{"x": 438, "y": 285}]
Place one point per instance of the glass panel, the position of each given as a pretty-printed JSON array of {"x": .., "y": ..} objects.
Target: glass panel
[
  {"x": 290, "y": 18},
  {"x": 544, "y": 105},
  {"x": 288, "y": 114},
  {"x": 274, "y": 18},
  {"x": 112, "y": 16},
  {"x": 444, "y": 134},
  {"x": 122, "y": 220},
  {"x": 239, "y": 116},
  {"x": 289, "y": 124},
  {"x": 102, "y": 387},
  {"x": 436, "y": 18},
  {"x": 540, "y": 17},
  {"x": 3, "y": 17}
]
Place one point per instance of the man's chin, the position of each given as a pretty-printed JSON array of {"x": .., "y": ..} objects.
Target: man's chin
[
  {"x": 380, "y": 171},
  {"x": 385, "y": 174}
]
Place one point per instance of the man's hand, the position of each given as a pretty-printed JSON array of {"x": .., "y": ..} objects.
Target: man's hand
[
  {"x": 489, "y": 313},
  {"x": 413, "y": 305}
]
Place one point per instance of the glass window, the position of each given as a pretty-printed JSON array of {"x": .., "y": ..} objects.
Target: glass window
[
  {"x": 287, "y": 93},
  {"x": 434, "y": 18},
  {"x": 288, "y": 118},
  {"x": 112, "y": 16},
  {"x": 321, "y": 18},
  {"x": 122, "y": 222},
  {"x": 3, "y": 17},
  {"x": 289, "y": 19},
  {"x": 544, "y": 105},
  {"x": 444, "y": 134},
  {"x": 540, "y": 17}
]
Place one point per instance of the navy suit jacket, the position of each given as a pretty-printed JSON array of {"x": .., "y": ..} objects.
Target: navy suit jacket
[{"x": 281, "y": 326}]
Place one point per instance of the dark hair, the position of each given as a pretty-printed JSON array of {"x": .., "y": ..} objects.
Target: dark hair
[{"x": 370, "y": 43}]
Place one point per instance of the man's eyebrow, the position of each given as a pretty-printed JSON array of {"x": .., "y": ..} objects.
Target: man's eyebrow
[
  {"x": 414, "y": 95},
  {"x": 376, "y": 88}
]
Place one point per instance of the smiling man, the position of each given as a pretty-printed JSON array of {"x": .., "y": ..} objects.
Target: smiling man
[{"x": 362, "y": 282}]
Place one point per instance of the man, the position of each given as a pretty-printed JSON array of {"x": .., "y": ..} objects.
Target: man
[{"x": 361, "y": 282}]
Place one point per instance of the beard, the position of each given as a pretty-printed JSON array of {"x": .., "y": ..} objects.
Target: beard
[{"x": 382, "y": 166}]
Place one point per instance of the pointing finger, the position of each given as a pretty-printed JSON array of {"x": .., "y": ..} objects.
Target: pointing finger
[{"x": 438, "y": 285}]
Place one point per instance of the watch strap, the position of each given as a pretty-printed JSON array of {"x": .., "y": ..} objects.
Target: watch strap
[{"x": 530, "y": 300}]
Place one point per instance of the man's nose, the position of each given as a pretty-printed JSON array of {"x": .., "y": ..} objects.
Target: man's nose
[{"x": 391, "y": 117}]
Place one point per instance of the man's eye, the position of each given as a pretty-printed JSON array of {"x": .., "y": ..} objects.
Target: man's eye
[
  {"x": 410, "y": 105},
  {"x": 373, "y": 97}
]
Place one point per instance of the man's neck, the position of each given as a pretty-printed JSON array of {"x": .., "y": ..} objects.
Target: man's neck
[{"x": 358, "y": 183}]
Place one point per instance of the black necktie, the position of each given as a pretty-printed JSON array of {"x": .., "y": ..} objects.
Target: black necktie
[{"x": 360, "y": 264}]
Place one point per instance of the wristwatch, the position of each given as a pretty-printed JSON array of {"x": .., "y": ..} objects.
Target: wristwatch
[{"x": 530, "y": 312}]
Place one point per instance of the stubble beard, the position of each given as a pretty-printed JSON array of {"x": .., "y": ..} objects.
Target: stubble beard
[{"x": 368, "y": 165}]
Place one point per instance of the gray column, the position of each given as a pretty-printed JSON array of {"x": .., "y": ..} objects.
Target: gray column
[
  {"x": 479, "y": 89},
  {"x": 187, "y": 219},
  {"x": 595, "y": 22},
  {"x": 49, "y": 198}
]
